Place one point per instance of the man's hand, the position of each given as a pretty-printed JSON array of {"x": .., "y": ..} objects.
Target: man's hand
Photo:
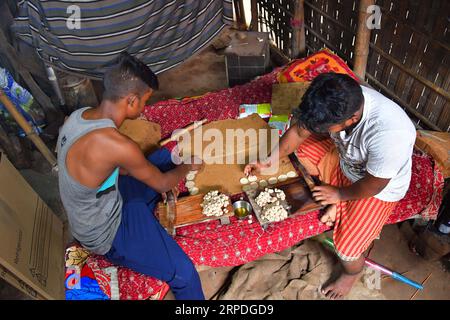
[
  {"x": 255, "y": 167},
  {"x": 175, "y": 192},
  {"x": 326, "y": 195}
]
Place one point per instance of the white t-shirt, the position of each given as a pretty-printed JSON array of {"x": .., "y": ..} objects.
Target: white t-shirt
[{"x": 381, "y": 144}]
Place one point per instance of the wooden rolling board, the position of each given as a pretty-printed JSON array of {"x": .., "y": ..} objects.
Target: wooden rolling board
[{"x": 188, "y": 211}]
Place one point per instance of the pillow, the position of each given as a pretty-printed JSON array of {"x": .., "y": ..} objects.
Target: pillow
[
  {"x": 306, "y": 69},
  {"x": 437, "y": 145}
]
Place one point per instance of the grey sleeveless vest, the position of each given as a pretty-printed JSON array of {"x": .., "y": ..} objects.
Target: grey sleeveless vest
[{"x": 93, "y": 216}]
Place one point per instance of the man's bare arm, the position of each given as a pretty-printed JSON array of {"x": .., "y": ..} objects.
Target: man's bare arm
[
  {"x": 130, "y": 158},
  {"x": 290, "y": 141},
  {"x": 367, "y": 187}
]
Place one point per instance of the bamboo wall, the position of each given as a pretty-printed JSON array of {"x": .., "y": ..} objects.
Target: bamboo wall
[{"x": 409, "y": 55}]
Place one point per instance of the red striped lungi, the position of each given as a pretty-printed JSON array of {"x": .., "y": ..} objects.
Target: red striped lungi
[{"x": 358, "y": 222}]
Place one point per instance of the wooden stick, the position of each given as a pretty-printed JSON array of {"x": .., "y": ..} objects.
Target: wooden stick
[
  {"x": 30, "y": 133},
  {"x": 298, "y": 27},
  {"x": 240, "y": 14},
  {"x": 186, "y": 129},
  {"x": 362, "y": 39},
  {"x": 423, "y": 282},
  {"x": 254, "y": 22}
]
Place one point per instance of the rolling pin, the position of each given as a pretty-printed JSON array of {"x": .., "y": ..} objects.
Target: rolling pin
[{"x": 186, "y": 129}]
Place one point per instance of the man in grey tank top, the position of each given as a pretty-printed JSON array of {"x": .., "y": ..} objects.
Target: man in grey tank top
[{"x": 112, "y": 214}]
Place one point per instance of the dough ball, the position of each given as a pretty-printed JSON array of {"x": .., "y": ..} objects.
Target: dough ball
[
  {"x": 243, "y": 181},
  {"x": 291, "y": 174},
  {"x": 190, "y": 176},
  {"x": 190, "y": 184}
]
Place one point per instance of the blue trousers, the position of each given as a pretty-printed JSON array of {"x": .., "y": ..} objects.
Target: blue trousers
[{"x": 143, "y": 245}]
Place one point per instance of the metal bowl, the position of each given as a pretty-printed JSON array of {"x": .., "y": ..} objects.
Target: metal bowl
[{"x": 244, "y": 205}]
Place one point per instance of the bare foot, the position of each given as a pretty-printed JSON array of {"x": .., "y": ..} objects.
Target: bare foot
[
  {"x": 341, "y": 286},
  {"x": 329, "y": 216}
]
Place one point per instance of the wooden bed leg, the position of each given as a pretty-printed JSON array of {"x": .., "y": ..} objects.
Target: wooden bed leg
[{"x": 171, "y": 213}]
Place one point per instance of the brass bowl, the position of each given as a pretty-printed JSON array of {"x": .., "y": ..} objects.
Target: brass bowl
[{"x": 242, "y": 209}]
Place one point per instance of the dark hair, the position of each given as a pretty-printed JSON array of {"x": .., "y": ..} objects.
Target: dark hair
[
  {"x": 331, "y": 99},
  {"x": 128, "y": 75}
]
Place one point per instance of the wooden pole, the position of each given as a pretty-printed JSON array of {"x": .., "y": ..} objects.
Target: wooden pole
[
  {"x": 30, "y": 133},
  {"x": 298, "y": 27},
  {"x": 240, "y": 14},
  {"x": 362, "y": 39},
  {"x": 254, "y": 22}
]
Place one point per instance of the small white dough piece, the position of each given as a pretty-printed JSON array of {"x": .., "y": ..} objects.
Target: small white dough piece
[
  {"x": 254, "y": 185},
  {"x": 190, "y": 176},
  {"x": 263, "y": 183},
  {"x": 243, "y": 181},
  {"x": 291, "y": 174},
  {"x": 246, "y": 188},
  {"x": 252, "y": 178},
  {"x": 273, "y": 180},
  {"x": 190, "y": 184},
  {"x": 193, "y": 191},
  {"x": 282, "y": 178}
]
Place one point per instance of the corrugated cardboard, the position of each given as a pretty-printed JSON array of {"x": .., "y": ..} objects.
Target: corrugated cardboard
[
  {"x": 287, "y": 96},
  {"x": 31, "y": 238}
]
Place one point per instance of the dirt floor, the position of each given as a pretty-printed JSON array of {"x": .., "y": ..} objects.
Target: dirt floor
[{"x": 204, "y": 73}]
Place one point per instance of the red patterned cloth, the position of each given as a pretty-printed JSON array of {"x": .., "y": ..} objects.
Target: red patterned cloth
[{"x": 132, "y": 285}]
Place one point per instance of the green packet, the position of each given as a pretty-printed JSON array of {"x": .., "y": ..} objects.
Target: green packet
[
  {"x": 281, "y": 122},
  {"x": 263, "y": 109}
]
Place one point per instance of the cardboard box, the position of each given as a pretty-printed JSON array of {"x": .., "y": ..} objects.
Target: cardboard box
[
  {"x": 31, "y": 238},
  {"x": 247, "y": 57}
]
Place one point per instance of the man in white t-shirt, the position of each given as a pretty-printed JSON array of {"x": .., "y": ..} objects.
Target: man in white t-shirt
[{"x": 365, "y": 168}]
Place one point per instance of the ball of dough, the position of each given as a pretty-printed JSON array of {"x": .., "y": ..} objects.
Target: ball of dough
[
  {"x": 291, "y": 174},
  {"x": 263, "y": 183},
  {"x": 190, "y": 184},
  {"x": 243, "y": 181},
  {"x": 273, "y": 180},
  {"x": 254, "y": 185},
  {"x": 190, "y": 176},
  {"x": 252, "y": 178},
  {"x": 193, "y": 191},
  {"x": 282, "y": 178}
]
